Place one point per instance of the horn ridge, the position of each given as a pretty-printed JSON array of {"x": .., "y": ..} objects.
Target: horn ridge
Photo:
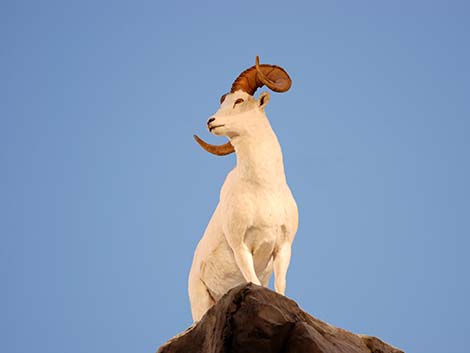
[{"x": 273, "y": 76}]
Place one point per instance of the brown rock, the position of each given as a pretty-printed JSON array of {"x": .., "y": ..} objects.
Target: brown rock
[{"x": 254, "y": 319}]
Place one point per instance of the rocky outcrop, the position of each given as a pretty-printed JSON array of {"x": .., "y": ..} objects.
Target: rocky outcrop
[{"x": 254, "y": 319}]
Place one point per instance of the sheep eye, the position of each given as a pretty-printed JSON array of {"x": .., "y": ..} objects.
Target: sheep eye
[
  {"x": 239, "y": 100},
  {"x": 223, "y": 98}
]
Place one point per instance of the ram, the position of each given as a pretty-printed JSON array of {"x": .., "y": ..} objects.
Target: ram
[{"x": 251, "y": 231}]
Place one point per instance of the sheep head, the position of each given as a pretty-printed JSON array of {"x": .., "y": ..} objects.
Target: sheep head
[{"x": 234, "y": 106}]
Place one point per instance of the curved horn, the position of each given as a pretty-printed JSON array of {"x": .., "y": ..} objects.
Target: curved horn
[
  {"x": 273, "y": 76},
  {"x": 221, "y": 150}
]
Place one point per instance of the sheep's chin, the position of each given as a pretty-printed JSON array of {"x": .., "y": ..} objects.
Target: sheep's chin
[{"x": 219, "y": 131}]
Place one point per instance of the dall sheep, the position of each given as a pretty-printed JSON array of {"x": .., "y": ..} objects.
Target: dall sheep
[{"x": 254, "y": 224}]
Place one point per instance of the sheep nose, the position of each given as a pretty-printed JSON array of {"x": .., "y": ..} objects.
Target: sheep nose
[{"x": 210, "y": 120}]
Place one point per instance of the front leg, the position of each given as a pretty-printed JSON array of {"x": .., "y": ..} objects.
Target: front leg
[
  {"x": 283, "y": 250},
  {"x": 281, "y": 264},
  {"x": 235, "y": 234},
  {"x": 244, "y": 260}
]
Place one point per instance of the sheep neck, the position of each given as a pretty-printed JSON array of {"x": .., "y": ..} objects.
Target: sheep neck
[{"x": 259, "y": 159}]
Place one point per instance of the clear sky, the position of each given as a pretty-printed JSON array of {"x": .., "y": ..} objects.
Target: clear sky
[{"x": 104, "y": 194}]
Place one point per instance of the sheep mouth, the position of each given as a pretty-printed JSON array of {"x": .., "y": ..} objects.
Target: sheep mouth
[{"x": 214, "y": 127}]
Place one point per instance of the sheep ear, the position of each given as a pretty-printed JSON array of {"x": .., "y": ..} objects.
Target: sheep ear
[{"x": 263, "y": 100}]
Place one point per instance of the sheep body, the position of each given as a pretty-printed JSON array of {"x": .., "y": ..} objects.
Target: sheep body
[{"x": 251, "y": 231}]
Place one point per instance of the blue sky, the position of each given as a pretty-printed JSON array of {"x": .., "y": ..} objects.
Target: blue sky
[{"x": 104, "y": 194}]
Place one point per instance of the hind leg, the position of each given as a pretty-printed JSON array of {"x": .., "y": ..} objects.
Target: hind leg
[{"x": 199, "y": 298}]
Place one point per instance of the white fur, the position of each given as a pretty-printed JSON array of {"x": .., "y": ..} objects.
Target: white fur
[{"x": 254, "y": 224}]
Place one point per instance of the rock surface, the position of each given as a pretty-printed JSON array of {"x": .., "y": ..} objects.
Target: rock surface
[{"x": 252, "y": 319}]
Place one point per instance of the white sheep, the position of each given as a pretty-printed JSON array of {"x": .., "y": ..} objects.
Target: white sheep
[{"x": 254, "y": 224}]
